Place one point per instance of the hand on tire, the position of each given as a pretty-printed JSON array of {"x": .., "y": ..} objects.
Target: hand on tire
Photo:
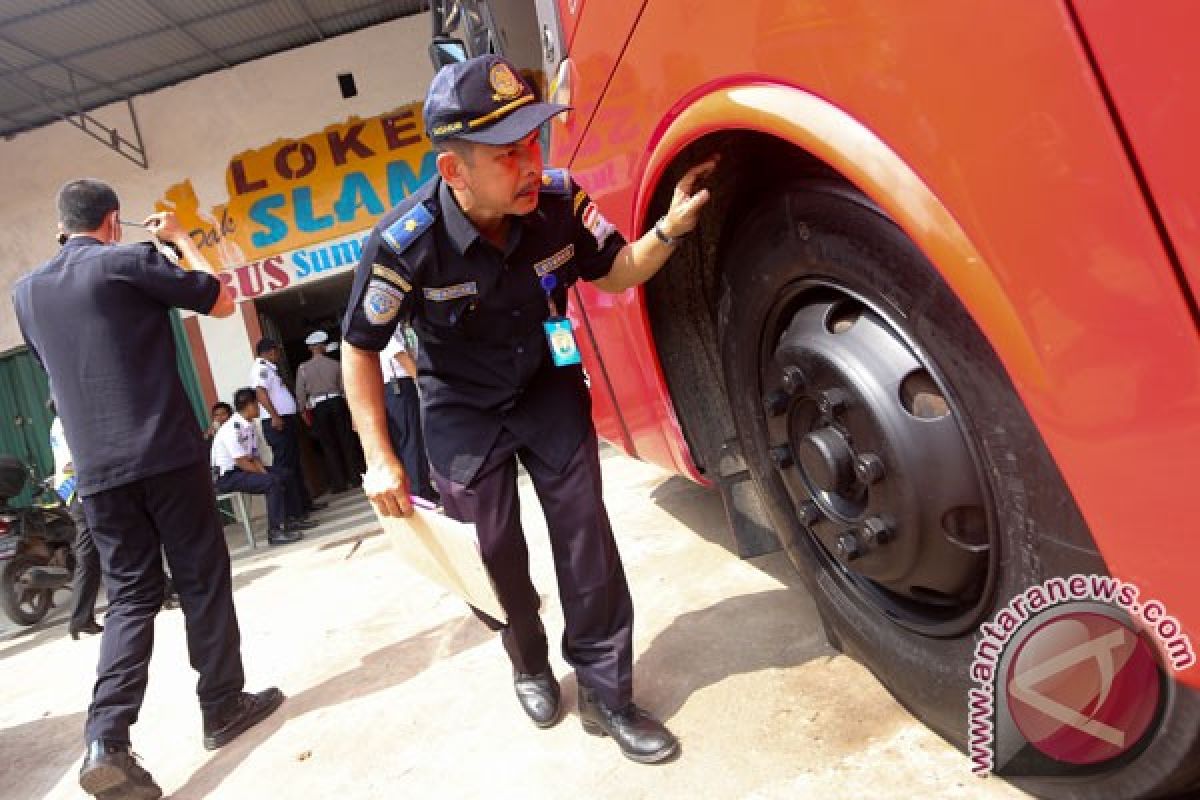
[{"x": 686, "y": 202}]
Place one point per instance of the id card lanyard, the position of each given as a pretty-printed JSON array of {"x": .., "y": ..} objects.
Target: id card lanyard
[{"x": 559, "y": 335}]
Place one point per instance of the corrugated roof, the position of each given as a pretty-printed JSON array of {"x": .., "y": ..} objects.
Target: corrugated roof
[{"x": 57, "y": 58}]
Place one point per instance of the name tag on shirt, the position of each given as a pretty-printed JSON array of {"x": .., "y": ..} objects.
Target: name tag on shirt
[{"x": 563, "y": 347}]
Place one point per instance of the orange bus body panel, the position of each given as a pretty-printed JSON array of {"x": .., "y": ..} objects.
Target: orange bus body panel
[{"x": 993, "y": 108}]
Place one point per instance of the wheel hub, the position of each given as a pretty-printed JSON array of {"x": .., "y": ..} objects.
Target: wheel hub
[
  {"x": 826, "y": 459},
  {"x": 867, "y": 446}
]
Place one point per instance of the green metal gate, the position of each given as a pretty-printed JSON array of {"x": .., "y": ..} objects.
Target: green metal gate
[{"x": 24, "y": 418}]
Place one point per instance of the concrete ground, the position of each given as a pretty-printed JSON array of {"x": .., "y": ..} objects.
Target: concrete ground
[{"x": 396, "y": 691}]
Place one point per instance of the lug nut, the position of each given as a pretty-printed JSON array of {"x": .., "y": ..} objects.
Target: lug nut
[
  {"x": 869, "y": 468},
  {"x": 848, "y": 547},
  {"x": 782, "y": 455},
  {"x": 776, "y": 403},
  {"x": 793, "y": 380},
  {"x": 875, "y": 531},
  {"x": 808, "y": 513},
  {"x": 831, "y": 401}
]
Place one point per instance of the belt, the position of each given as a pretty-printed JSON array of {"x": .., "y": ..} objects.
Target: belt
[{"x": 321, "y": 398}]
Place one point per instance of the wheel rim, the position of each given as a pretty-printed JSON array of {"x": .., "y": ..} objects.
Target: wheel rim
[
  {"x": 30, "y": 601},
  {"x": 872, "y": 453}
]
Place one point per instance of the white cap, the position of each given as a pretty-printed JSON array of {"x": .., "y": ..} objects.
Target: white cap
[{"x": 317, "y": 337}]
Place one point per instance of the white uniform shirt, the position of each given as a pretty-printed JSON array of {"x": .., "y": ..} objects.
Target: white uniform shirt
[
  {"x": 264, "y": 374},
  {"x": 391, "y": 369},
  {"x": 61, "y": 450},
  {"x": 235, "y": 439}
]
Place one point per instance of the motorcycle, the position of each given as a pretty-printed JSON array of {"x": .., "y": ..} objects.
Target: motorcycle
[{"x": 36, "y": 545}]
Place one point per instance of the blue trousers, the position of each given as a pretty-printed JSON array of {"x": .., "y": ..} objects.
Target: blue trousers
[
  {"x": 285, "y": 448},
  {"x": 283, "y": 502},
  {"x": 404, "y": 430},
  {"x": 133, "y": 525}
]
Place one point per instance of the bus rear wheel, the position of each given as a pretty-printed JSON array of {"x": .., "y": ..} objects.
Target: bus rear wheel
[{"x": 906, "y": 481}]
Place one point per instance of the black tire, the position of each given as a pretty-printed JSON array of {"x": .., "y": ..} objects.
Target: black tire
[
  {"x": 24, "y": 607},
  {"x": 811, "y": 244}
]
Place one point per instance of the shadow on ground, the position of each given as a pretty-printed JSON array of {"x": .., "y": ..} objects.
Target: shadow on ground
[
  {"x": 702, "y": 511},
  {"x": 251, "y": 575},
  {"x": 383, "y": 669},
  {"x": 740, "y": 635},
  {"x": 37, "y": 753},
  {"x": 28, "y": 638}
]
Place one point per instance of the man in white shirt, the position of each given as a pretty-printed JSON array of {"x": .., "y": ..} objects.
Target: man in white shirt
[
  {"x": 281, "y": 427},
  {"x": 404, "y": 413},
  {"x": 86, "y": 583},
  {"x": 239, "y": 469}
]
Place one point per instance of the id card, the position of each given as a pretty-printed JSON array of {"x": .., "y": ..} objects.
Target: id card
[{"x": 563, "y": 348}]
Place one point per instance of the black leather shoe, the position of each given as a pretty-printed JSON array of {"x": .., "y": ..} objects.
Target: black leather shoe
[
  {"x": 111, "y": 772},
  {"x": 301, "y": 524},
  {"x": 277, "y": 536},
  {"x": 640, "y": 736},
  {"x": 540, "y": 697},
  {"x": 239, "y": 715},
  {"x": 90, "y": 627},
  {"x": 316, "y": 507}
]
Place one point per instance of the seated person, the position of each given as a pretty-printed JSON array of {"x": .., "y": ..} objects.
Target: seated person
[
  {"x": 221, "y": 412},
  {"x": 239, "y": 469}
]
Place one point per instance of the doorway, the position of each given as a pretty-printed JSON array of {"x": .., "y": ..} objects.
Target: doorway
[{"x": 289, "y": 317}]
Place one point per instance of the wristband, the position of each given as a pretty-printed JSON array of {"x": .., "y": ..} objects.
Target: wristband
[{"x": 669, "y": 241}]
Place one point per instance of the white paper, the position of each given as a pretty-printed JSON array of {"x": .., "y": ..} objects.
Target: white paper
[{"x": 446, "y": 552}]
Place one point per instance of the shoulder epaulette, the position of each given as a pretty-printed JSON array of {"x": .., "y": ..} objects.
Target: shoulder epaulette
[
  {"x": 556, "y": 181},
  {"x": 403, "y": 232}
]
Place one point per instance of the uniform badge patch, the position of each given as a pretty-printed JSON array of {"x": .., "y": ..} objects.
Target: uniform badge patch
[
  {"x": 548, "y": 265},
  {"x": 595, "y": 222},
  {"x": 392, "y": 277},
  {"x": 381, "y": 303},
  {"x": 445, "y": 293}
]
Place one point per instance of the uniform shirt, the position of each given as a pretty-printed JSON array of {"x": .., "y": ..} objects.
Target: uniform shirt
[
  {"x": 318, "y": 376},
  {"x": 61, "y": 451},
  {"x": 478, "y": 310},
  {"x": 235, "y": 439},
  {"x": 98, "y": 318},
  {"x": 265, "y": 375},
  {"x": 387, "y": 359}
]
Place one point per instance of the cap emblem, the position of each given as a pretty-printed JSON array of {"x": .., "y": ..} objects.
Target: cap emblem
[{"x": 504, "y": 82}]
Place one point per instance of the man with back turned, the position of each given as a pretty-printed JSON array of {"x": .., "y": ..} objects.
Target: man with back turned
[
  {"x": 141, "y": 465},
  {"x": 480, "y": 259}
]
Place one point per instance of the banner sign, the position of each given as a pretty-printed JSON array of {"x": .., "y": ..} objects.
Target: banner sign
[{"x": 301, "y": 208}]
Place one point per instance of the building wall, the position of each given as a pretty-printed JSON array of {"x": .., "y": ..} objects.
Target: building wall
[{"x": 191, "y": 131}]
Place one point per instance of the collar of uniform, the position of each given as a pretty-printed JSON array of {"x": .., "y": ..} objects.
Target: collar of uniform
[
  {"x": 462, "y": 231},
  {"x": 76, "y": 241},
  {"x": 265, "y": 363}
]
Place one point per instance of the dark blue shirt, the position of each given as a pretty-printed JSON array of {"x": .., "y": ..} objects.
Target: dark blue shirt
[
  {"x": 97, "y": 317},
  {"x": 484, "y": 363}
]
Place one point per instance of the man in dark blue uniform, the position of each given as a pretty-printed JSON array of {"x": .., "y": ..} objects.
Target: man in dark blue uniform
[
  {"x": 141, "y": 465},
  {"x": 480, "y": 259}
]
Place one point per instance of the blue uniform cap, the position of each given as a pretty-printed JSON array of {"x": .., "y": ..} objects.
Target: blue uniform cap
[{"x": 485, "y": 100}]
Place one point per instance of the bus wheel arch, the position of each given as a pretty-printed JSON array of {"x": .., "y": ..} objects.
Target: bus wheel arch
[{"x": 704, "y": 299}]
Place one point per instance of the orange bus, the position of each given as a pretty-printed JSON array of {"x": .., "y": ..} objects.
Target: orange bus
[{"x": 937, "y": 334}]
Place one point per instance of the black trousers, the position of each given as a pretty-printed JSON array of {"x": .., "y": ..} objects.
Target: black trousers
[
  {"x": 86, "y": 583},
  {"x": 282, "y": 502},
  {"x": 285, "y": 453},
  {"x": 132, "y": 526},
  {"x": 406, "y": 434},
  {"x": 598, "y": 640},
  {"x": 339, "y": 445}
]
